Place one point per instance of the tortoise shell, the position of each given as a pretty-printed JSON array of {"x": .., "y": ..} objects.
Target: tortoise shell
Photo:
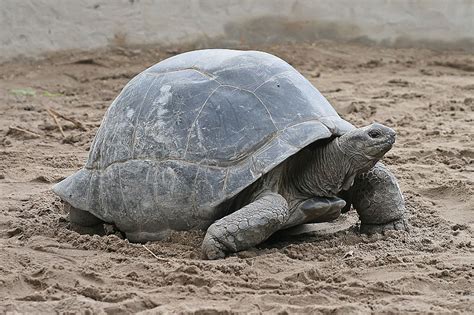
[{"x": 193, "y": 131}]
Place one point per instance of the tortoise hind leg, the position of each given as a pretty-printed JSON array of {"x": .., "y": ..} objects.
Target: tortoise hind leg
[{"x": 85, "y": 222}]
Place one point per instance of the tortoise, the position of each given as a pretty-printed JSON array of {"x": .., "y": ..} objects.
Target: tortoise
[{"x": 235, "y": 142}]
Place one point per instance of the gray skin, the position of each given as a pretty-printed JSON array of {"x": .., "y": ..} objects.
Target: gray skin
[
  {"x": 378, "y": 200},
  {"x": 223, "y": 139}
]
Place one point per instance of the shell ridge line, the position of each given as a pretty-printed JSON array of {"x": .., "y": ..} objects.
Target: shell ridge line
[
  {"x": 100, "y": 146},
  {"x": 201, "y": 72},
  {"x": 101, "y": 195},
  {"x": 121, "y": 188},
  {"x": 194, "y": 192},
  {"x": 89, "y": 191},
  {"x": 271, "y": 78},
  {"x": 113, "y": 138},
  {"x": 147, "y": 180},
  {"x": 258, "y": 98},
  {"x": 226, "y": 176},
  {"x": 161, "y": 110},
  {"x": 195, "y": 120},
  {"x": 205, "y": 73},
  {"x": 268, "y": 111},
  {"x": 108, "y": 116},
  {"x": 134, "y": 135}
]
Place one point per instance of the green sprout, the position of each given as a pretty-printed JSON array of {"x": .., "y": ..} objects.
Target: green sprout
[
  {"x": 49, "y": 94},
  {"x": 23, "y": 92}
]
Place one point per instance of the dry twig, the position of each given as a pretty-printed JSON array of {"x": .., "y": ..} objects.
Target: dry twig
[
  {"x": 77, "y": 123},
  {"x": 56, "y": 121},
  {"x": 160, "y": 259},
  {"x": 19, "y": 129}
]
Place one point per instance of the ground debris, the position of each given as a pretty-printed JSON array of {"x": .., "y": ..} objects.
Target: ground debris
[{"x": 22, "y": 133}]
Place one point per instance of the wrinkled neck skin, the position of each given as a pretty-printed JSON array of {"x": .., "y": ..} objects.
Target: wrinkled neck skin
[{"x": 323, "y": 171}]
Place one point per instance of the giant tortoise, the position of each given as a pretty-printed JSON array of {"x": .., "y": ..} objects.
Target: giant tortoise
[{"x": 235, "y": 142}]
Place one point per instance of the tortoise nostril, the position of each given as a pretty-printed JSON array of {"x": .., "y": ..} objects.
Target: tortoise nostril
[{"x": 374, "y": 134}]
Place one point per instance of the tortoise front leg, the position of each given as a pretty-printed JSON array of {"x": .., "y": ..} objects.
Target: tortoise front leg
[
  {"x": 246, "y": 227},
  {"x": 378, "y": 200}
]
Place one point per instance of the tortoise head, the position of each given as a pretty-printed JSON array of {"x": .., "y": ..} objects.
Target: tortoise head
[{"x": 365, "y": 146}]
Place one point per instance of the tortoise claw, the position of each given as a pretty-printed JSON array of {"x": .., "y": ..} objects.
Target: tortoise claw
[
  {"x": 398, "y": 225},
  {"x": 212, "y": 248}
]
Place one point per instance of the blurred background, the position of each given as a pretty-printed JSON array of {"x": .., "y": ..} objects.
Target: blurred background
[{"x": 33, "y": 27}]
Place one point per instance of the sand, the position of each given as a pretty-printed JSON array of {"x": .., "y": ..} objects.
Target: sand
[{"x": 426, "y": 96}]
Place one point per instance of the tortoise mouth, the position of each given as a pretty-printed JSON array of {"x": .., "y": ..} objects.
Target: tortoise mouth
[{"x": 379, "y": 148}]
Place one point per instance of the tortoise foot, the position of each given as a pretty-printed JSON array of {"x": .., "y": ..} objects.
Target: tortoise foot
[
  {"x": 398, "y": 225},
  {"x": 212, "y": 248}
]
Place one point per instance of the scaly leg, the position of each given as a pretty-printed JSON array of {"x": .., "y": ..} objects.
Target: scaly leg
[
  {"x": 247, "y": 226},
  {"x": 378, "y": 200}
]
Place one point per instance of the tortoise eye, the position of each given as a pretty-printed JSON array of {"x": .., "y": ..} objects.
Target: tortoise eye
[{"x": 374, "y": 134}]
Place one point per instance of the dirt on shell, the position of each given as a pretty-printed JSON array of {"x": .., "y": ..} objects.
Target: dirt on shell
[{"x": 51, "y": 109}]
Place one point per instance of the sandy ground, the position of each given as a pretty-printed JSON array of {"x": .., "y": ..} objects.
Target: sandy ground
[{"x": 428, "y": 97}]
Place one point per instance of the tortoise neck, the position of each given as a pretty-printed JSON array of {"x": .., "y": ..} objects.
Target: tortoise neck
[{"x": 322, "y": 171}]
